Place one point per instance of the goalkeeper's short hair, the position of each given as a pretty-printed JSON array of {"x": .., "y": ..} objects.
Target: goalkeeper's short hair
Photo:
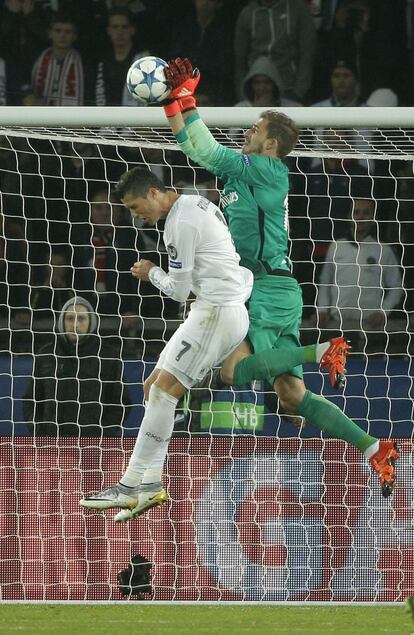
[{"x": 282, "y": 128}]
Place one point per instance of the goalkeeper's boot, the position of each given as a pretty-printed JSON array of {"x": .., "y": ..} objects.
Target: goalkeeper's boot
[
  {"x": 117, "y": 496},
  {"x": 383, "y": 462},
  {"x": 150, "y": 495},
  {"x": 334, "y": 360}
]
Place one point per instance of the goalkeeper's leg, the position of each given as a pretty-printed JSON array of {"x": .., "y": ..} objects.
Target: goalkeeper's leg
[
  {"x": 333, "y": 422},
  {"x": 242, "y": 366}
]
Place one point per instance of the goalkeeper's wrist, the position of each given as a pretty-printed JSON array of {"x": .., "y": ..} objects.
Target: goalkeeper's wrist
[
  {"x": 187, "y": 103},
  {"x": 171, "y": 108}
]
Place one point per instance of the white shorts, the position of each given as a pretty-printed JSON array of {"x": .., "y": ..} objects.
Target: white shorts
[{"x": 208, "y": 335}]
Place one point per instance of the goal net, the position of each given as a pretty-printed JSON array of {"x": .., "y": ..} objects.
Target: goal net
[{"x": 259, "y": 509}]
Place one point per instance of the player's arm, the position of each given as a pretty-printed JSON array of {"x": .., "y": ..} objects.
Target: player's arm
[
  {"x": 195, "y": 138},
  {"x": 179, "y": 131},
  {"x": 175, "y": 104},
  {"x": 250, "y": 168},
  {"x": 181, "y": 105},
  {"x": 176, "y": 284}
]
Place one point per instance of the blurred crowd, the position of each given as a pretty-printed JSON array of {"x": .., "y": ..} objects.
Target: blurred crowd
[
  {"x": 77, "y": 52},
  {"x": 61, "y": 231}
]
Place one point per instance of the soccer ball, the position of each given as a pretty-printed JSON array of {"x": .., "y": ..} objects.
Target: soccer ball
[{"x": 146, "y": 80}]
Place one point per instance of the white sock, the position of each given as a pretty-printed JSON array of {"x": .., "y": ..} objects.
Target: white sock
[
  {"x": 372, "y": 449},
  {"x": 152, "y": 475},
  {"x": 151, "y": 445},
  {"x": 321, "y": 350}
]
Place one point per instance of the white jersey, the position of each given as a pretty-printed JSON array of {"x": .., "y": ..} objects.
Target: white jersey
[
  {"x": 202, "y": 256},
  {"x": 358, "y": 279}
]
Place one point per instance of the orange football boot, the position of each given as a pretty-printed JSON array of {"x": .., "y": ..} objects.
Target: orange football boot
[
  {"x": 334, "y": 361},
  {"x": 383, "y": 462}
]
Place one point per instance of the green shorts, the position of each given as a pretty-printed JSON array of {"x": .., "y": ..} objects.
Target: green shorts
[{"x": 275, "y": 313}]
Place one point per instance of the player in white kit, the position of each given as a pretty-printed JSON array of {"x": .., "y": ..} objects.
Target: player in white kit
[{"x": 202, "y": 259}]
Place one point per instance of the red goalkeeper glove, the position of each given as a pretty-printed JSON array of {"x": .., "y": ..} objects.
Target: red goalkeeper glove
[{"x": 183, "y": 79}]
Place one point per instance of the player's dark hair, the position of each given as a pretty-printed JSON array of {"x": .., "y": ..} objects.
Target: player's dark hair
[
  {"x": 283, "y": 129},
  {"x": 137, "y": 182}
]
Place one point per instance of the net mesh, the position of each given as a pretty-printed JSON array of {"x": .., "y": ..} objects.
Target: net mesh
[
  {"x": 392, "y": 143},
  {"x": 258, "y": 510}
]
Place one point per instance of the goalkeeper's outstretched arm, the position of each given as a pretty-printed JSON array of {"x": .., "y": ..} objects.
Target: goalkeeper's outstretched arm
[
  {"x": 200, "y": 145},
  {"x": 193, "y": 136},
  {"x": 191, "y": 133}
]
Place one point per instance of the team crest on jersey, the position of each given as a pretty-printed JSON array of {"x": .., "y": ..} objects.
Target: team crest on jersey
[
  {"x": 246, "y": 159},
  {"x": 173, "y": 263},
  {"x": 172, "y": 252}
]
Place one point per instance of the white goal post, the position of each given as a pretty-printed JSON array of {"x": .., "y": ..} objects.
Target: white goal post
[
  {"x": 214, "y": 117},
  {"x": 259, "y": 511}
]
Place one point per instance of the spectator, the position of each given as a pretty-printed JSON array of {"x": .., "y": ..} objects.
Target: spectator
[
  {"x": 285, "y": 32},
  {"x": 319, "y": 203},
  {"x": 14, "y": 275},
  {"x": 344, "y": 85},
  {"x": 326, "y": 188},
  {"x": 77, "y": 386},
  {"x": 23, "y": 35},
  {"x": 358, "y": 34},
  {"x": 56, "y": 287},
  {"x": 91, "y": 19},
  {"x": 106, "y": 256},
  {"x": 112, "y": 69},
  {"x": 83, "y": 168},
  {"x": 202, "y": 35},
  {"x": 21, "y": 194},
  {"x": 361, "y": 278},
  {"x": 152, "y": 20},
  {"x": 398, "y": 18},
  {"x": 261, "y": 86},
  {"x": 405, "y": 210},
  {"x": 57, "y": 75}
]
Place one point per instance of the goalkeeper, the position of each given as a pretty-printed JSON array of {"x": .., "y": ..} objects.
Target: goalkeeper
[{"x": 255, "y": 203}]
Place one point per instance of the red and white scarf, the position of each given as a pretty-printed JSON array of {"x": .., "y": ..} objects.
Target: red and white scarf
[{"x": 70, "y": 84}]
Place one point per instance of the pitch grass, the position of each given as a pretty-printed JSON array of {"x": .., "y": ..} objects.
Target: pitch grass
[{"x": 26, "y": 619}]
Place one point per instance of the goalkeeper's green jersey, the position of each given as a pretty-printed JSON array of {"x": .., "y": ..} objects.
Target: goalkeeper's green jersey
[{"x": 254, "y": 197}]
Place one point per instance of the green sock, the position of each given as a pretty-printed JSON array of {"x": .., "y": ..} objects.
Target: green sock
[
  {"x": 326, "y": 416},
  {"x": 272, "y": 363}
]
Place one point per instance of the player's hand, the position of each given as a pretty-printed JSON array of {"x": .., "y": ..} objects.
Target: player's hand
[
  {"x": 182, "y": 77},
  {"x": 141, "y": 269}
]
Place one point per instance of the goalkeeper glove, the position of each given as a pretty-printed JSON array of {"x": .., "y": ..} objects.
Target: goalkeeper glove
[{"x": 183, "y": 80}]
